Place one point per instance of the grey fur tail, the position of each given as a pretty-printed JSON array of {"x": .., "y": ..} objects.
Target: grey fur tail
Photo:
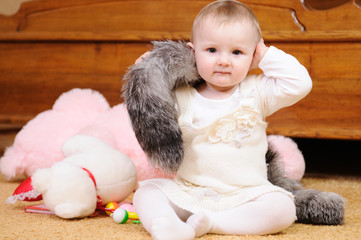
[
  {"x": 148, "y": 94},
  {"x": 312, "y": 206}
]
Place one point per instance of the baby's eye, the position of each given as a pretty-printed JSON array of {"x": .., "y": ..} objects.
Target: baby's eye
[
  {"x": 211, "y": 50},
  {"x": 237, "y": 52}
]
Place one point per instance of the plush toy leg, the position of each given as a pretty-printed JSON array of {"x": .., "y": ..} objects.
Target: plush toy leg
[
  {"x": 73, "y": 210},
  {"x": 312, "y": 206}
]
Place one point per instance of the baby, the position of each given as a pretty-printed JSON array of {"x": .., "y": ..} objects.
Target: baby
[{"x": 221, "y": 186}]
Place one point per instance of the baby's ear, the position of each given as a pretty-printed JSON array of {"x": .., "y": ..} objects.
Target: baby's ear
[{"x": 190, "y": 45}]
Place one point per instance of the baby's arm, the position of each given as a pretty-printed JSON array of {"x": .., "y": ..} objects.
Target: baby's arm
[{"x": 285, "y": 80}]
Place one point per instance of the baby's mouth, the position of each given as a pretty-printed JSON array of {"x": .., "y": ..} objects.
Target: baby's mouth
[{"x": 223, "y": 72}]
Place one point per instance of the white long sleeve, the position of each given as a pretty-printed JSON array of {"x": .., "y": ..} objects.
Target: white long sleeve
[{"x": 285, "y": 81}]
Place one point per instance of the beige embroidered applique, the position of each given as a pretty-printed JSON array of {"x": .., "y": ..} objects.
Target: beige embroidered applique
[{"x": 234, "y": 127}]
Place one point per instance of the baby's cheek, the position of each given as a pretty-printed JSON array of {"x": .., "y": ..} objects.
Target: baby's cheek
[
  {"x": 204, "y": 67},
  {"x": 203, "y": 72},
  {"x": 200, "y": 69}
]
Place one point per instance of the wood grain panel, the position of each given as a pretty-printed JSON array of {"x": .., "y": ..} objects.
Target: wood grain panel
[
  {"x": 141, "y": 20},
  {"x": 33, "y": 75},
  {"x": 333, "y": 108}
]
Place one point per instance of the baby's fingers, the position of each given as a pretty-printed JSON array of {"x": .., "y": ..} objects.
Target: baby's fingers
[
  {"x": 259, "y": 52},
  {"x": 141, "y": 58}
]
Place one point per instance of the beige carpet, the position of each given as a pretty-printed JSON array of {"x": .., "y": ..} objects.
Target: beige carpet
[{"x": 17, "y": 225}]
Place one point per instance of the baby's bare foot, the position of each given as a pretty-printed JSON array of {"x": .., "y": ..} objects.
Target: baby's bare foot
[
  {"x": 201, "y": 223},
  {"x": 164, "y": 229}
]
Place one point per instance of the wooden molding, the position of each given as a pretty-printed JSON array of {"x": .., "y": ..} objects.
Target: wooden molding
[{"x": 140, "y": 20}]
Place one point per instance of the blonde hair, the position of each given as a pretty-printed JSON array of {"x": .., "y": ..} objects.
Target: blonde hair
[{"x": 227, "y": 11}]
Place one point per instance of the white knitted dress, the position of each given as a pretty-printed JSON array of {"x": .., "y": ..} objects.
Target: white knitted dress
[{"x": 225, "y": 140}]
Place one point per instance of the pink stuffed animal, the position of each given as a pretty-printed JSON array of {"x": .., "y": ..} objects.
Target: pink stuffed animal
[
  {"x": 79, "y": 111},
  {"x": 84, "y": 111}
]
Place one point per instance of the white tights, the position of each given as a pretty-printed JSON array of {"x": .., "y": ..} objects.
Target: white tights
[{"x": 269, "y": 213}]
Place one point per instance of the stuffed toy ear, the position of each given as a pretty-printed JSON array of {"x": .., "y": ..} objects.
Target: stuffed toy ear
[
  {"x": 25, "y": 192},
  {"x": 151, "y": 105}
]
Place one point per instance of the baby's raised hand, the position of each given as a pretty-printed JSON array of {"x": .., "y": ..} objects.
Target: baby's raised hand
[{"x": 260, "y": 51}]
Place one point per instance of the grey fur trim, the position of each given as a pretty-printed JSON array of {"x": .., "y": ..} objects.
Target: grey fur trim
[
  {"x": 148, "y": 93},
  {"x": 312, "y": 206}
]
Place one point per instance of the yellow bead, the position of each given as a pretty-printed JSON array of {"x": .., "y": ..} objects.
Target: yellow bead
[{"x": 111, "y": 205}]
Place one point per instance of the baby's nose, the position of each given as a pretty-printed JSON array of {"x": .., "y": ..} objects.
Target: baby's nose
[{"x": 223, "y": 60}]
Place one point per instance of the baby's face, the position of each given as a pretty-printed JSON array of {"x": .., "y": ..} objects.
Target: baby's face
[{"x": 224, "y": 52}]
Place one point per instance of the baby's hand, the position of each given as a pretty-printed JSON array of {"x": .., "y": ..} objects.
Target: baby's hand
[
  {"x": 141, "y": 58},
  {"x": 260, "y": 51}
]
